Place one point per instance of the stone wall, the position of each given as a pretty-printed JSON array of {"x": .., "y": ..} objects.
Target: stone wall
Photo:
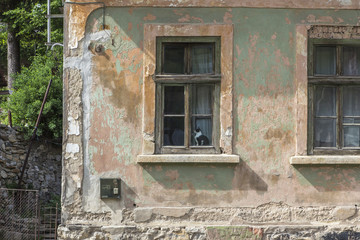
[
  {"x": 274, "y": 220},
  {"x": 43, "y": 171},
  {"x": 209, "y": 232},
  {"x": 267, "y": 221}
]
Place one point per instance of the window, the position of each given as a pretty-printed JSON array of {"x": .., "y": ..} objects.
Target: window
[
  {"x": 334, "y": 97},
  {"x": 155, "y": 80},
  {"x": 187, "y": 94}
]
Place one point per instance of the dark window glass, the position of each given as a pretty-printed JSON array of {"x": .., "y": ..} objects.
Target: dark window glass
[
  {"x": 173, "y": 131},
  {"x": 351, "y": 120},
  {"x": 352, "y": 136},
  {"x": 202, "y": 60},
  {"x": 351, "y": 64},
  {"x": 351, "y": 101},
  {"x": 202, "y": 99},
  {"x": 174, "y": 100},
  {"x": 325, "y": 107},
  {"x": 174, "y": 59},
  {"x": 351, "y": 112},
  {"x": 325, "y": 101},
  {"x": 325, "y": 132},
  {"x": 325, "y": 60}
]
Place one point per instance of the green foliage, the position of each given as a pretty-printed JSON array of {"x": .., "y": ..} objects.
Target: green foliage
[
  {"x": 11, "y": 185},
  {"x": 29, "y": 89},
  {"x": 29, "y": 19},
  {"x": 55, "y": 201}
]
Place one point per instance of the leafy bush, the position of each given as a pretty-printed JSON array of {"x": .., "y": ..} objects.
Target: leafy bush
[
  {"x": 29, "y": 19},
  {"x": 29, "y": 89}
]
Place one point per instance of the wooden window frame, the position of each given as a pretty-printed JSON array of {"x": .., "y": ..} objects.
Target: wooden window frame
[
  {"x": 187, "y": 80},
  {"x": 339, "y": 81}
]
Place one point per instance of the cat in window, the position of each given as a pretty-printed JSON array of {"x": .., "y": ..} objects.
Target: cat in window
[{"x": 200, "y": 139}]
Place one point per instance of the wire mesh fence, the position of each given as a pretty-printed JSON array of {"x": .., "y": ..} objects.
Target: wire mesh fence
[
  {"x": 22, "y": 216},
  {"x": 49, "y": 222},
  {"x": 19, "y": 214}
]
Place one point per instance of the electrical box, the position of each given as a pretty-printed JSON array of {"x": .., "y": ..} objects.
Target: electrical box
[{"x": 110, "y": 188}]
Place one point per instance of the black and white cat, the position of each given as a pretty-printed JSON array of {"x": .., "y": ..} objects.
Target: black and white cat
[{"x": 200, "y": 139}]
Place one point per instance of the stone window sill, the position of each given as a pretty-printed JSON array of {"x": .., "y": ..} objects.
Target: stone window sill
[
  {"x": 188, "y": 158},
  {"x": 321, "y": 159}
]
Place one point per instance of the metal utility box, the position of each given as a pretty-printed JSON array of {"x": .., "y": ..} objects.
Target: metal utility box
[{"x": 110, "y": 188}]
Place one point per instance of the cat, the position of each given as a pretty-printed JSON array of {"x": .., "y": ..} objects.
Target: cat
[{"x": 200, "y": 139}]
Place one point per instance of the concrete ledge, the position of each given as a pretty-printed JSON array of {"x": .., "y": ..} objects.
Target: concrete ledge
[
  {"x": 188, "y": 158},
  {"x": 312, "y": 160}
]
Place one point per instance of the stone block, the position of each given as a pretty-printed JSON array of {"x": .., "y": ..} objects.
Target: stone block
[
  {"x": 12, "y": 137},
  {"x": 3, "y": 174},
  {"x": 344, "y": 212},
  {"x": 142, "y": 214},
  {"x": 171, "y": 211},
  {"x": 234, "y": 232},
  {"x": 117, "y": 229}
]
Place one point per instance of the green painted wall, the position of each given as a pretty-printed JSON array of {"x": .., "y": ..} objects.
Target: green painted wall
[{"x": 264, "y": 114}]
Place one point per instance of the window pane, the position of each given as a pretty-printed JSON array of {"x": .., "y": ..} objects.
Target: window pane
[
  {"x": 202, "y": 131},
  {"x": 202, "y": 59},
  {"x": 173, "y": 131},
  {"x": 325, "y": 60},
  {"x": 351, "y": 120},
  {"x": 202, "y": 99},
  {"x": 325, "y": 101},
  {"x": 325, "y": 133},
  {"x": 351, "y": 136},
  {"x": 174, "y": 100},
  {"x": 351, "y": 64},
  {"x": 174, "y": 59},
  {"x": 351, "y": 101}
]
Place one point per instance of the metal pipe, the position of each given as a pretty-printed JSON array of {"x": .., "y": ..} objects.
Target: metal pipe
[
  {"x": 34, "y": 133},
  {"x": 10, "y": 118},
  {"x": 56, "y": 217},
  {"x": 56, "y": 44},
  {"x": 48, "y": 22}
]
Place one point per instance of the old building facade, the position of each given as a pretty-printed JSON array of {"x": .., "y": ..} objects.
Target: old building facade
[{"x": 211, "y": 119}]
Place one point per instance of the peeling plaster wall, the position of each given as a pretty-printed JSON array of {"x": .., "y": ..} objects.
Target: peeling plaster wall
[{"x": 103, "y": 88}]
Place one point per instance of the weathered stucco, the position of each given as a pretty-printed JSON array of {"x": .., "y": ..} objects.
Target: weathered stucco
[{"x": 109, "y": 119}]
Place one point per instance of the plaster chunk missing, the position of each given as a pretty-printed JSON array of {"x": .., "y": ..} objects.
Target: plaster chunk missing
[
  {"x": 74, "y": 128},
  {"x": 72, "y": 148},
  {"x": 345, "y": 2},
  {"x": 148, "y": 137},
  {"x": 301, "y": 44},
  {"x": 228, "y": 132}
]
